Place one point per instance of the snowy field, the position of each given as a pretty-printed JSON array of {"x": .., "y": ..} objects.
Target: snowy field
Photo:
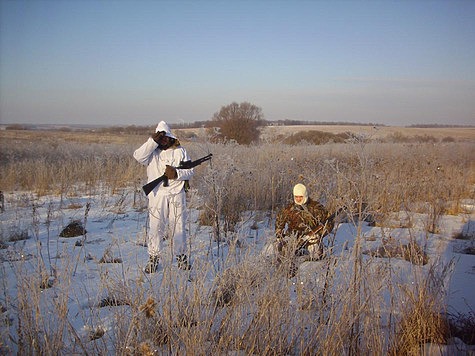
[{"x": 84, "y": 286}]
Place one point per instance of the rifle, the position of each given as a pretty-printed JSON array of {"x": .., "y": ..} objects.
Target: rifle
[
  {"x": 147, "y": 188},
  {"x": 320, "y": 231}
]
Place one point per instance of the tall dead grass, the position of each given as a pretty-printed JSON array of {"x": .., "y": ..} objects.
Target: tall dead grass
[
  {"x": 352, "y": 305},
  {"x": 49, "y": 163}
]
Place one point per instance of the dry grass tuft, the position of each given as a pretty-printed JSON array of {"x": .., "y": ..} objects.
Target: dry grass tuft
[
  {"x": 149, "y": 307},
  {"x": 411, "y": 252},
  {"x": 419, "y": 326}
]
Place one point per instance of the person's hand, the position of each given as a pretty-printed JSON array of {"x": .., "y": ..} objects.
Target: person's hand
[
  {"x": 157, "y": 136},
  {"x": 170, "y": 172}
]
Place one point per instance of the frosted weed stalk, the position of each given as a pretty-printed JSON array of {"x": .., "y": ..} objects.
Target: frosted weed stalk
[{"x": 42, "y": 318}]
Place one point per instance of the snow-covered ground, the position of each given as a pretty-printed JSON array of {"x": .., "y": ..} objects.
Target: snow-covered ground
[{"x": 112, "y": 253}]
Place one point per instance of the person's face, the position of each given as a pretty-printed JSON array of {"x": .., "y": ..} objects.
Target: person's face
[
  {"x": 165, "y": 142},
  {"x": 298, "y": 199}
]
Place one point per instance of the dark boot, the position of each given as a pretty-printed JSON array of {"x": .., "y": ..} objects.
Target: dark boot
[
  {"x": 183, "y": 262},
  {"x": 152, "y": 264}
]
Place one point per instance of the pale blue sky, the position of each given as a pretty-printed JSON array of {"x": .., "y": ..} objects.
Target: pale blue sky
[{"x": 139, "y": 62}]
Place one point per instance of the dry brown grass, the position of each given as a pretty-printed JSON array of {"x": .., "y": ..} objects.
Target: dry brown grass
[
  {"x": 384, "y": 177},
  {"x": 379, "y": 133},
  {"x": 247, "y": 310},
  {"x": 55, "y": 137}
]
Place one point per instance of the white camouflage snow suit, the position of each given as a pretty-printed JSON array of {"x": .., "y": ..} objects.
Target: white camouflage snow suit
[{"x": 166, "y": 205}]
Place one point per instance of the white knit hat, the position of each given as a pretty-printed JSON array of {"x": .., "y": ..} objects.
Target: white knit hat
[
  {"x": 162, "y": 126},
  {"x": 301, "y": 190}
]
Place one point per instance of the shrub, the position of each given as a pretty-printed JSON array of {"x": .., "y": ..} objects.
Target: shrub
[
  {"x": 238, "y": 122},
  {"x": 315, "y": 137}
]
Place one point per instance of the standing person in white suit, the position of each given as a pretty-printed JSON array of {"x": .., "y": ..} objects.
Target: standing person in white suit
[{"x": 162, "y": 153}]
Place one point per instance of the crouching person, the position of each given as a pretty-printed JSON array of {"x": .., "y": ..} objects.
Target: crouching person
[{"x": 300, "y": 228}]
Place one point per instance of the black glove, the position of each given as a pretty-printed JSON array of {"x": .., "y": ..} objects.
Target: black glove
[
  {"x": 157, "y": 136},
  {"x": 170, "y": 172}
]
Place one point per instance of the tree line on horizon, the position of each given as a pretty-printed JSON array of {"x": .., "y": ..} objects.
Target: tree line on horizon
[{"x": 238, "y": 122}]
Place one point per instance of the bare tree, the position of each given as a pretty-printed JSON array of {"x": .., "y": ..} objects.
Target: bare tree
[{"x": 239, "y": 122}]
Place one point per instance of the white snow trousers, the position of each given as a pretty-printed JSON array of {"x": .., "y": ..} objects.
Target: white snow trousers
[{"x": 167, "y": 220}]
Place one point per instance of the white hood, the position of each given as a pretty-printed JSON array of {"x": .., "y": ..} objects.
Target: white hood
[
  {"x": 162, "y": 126},
  {"x": 301, "y": 190}
]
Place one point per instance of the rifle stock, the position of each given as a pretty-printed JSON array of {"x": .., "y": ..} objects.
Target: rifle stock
[{"x": 147, "y": 188}]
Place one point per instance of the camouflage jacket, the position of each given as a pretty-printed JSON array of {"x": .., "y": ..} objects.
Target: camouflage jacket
[{"x": 309, "y": 222}]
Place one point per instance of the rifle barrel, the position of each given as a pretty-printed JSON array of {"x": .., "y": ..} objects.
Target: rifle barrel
[{"x": 147, "y": 188}]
